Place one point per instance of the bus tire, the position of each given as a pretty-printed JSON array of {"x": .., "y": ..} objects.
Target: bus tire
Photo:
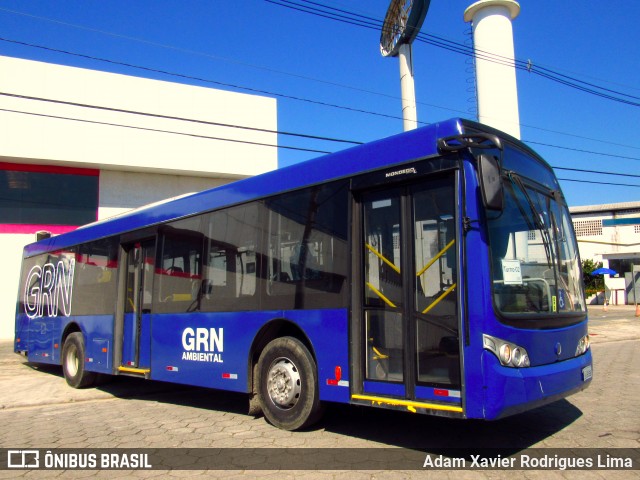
[
  {"x": 288, "y": 384},
  {"x": 73, "y": 362}
]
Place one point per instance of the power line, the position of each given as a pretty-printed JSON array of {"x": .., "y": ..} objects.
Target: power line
[
  {"x": 205, "y": 80},
  {"x": 195, "y": 52},
  {"x": 171, "y": 117},
  {"x": 155, "y": 130},
  {"x": 164, "y": 72},
  {"x": 624, "y": 157},
  {"x": 371, "y": 25},
  {"x": 263, "y": 68},
  {"x": 582, "y": 137},
  {"x": 469, "y": 51},
  {"x": 275, "y": 94},
  {"x": 599, "y": 183},
  {"x": 307, "y": 136},
  {"x": 375, "y": 22},
  {"x": 133, "y": 127},
  {"x": 595, "y": 171},
  {"x": 367, "y": 22}
]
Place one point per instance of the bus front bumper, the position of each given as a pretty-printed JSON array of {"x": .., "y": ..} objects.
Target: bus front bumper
[{"x": 513, "y": 390}]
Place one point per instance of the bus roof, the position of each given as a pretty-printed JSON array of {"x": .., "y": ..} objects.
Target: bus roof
[{"x": 389, "y": 151}]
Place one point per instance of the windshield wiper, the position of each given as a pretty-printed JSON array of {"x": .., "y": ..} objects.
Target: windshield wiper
[{"x": 537, "y": 216}]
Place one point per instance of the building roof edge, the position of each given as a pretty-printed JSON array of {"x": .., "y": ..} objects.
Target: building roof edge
[{"x": 606, "y": 207}]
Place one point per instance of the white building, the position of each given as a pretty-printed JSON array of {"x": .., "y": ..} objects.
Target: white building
[
  {"x": 80, "y": 145},
  {"x": 611, "y": 234}
]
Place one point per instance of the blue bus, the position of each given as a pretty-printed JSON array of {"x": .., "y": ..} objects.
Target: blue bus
[{"x": 435, "y": 271}]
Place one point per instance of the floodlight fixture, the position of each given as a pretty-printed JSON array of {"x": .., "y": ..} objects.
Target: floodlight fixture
[{"x": 402, "y": 24}]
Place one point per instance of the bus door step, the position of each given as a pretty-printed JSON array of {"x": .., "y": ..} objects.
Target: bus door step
[{"x": 134, "y": 372}]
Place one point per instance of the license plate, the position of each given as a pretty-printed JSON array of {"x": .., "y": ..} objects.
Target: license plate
[{"x": 587, "y": 373}]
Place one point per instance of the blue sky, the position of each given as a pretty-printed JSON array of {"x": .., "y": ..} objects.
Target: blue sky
[{"x": 256, "y": 44}]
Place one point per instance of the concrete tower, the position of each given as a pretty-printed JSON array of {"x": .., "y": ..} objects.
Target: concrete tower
[{"x": 495, "y": 67}]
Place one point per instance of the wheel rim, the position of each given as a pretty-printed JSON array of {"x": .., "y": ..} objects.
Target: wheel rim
[
  {"x": 72, "y": 361},
  {"x": 283, "y": 383}
]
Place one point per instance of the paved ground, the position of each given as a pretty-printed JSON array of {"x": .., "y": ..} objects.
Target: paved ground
[{"x": 38, "y": 410}]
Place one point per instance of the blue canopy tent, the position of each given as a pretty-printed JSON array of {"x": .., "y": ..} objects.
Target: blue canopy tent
[{"x": 604, "y": 271}]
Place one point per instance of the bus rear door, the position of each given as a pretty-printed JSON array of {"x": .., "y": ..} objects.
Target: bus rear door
[
  {"x": 405, "y": 316},
  {"x": 136, "y": 316}
]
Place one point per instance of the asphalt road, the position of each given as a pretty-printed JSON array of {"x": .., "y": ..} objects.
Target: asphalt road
[{"x": 38, "y": 411}]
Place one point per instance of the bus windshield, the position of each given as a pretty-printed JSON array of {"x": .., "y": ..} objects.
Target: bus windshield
[{"x": 535, "y": 263}]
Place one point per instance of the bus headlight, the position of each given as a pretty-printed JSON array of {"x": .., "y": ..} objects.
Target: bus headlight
[
  {"x": 583, "y": 345},
  {"x": 509, "y": 354},
  {"x": 505, "y": 354}
]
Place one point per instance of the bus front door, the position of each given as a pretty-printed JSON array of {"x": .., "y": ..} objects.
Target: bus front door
[
  {"x": 407, "y": 312},
  {"x": 136, "y": 330}
]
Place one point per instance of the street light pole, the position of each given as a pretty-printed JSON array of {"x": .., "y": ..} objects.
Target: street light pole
[
  {"x": 407, "y": 88},
  {"x": 400, "y": 27}
]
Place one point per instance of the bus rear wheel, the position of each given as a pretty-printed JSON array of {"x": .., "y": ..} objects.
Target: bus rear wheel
[
  {"x": 73, "y": 362},
  {"x": 288, "y": 384}
]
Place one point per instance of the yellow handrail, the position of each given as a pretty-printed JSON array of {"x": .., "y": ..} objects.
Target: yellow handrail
[
  {"x": 437, "y": 300},
  {"x": 379, "y": 354},
  {"x": 442, "y": 252},
  {"x": 382, "y": 257},
  {"x": 424, "y": 269},
  {"x": 381, "y": 295}
]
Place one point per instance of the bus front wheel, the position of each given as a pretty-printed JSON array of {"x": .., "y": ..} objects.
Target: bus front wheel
[
  {"x": 288, "y": 384},
  {"x": 73, "y": 362}
]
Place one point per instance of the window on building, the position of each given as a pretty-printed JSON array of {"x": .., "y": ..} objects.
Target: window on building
[
  {"x": 587, "y": 228},
  {"x": 622, "y": 265},
  {"x": 47, "y": 195}
]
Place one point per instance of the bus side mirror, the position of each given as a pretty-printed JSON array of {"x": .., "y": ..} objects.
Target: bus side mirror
[{"x": 490, "y": 182}]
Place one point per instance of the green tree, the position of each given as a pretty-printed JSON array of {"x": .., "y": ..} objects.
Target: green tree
[{"x": 592, "y": 284}]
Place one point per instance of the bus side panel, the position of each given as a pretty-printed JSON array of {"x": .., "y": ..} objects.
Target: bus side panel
[
  {"x": 205, "y": 349},
  {"x": 98, "y": 337},
  {"x": 43, "y": 335},
  {"x": 474, "y": 378},
  {"x": 328, "y": 332},
  {"x": 45, "y": 340},
  {"x": 478, "y": 295},
  {"x": 211, "y": 349},
  {"x": 22, "y": 333}
]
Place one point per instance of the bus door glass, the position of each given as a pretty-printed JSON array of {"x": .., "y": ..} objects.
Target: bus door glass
[
  {"x": 136, "y": 339},
  {"x": 410, "y": 308}
]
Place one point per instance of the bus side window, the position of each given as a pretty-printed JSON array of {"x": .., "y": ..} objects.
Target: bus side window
[
  {"x": 178, "y": 282},
  {"x": 231, "y": 270},
  {"x": 307, "y": 247},
  {"x": 95, "y": 277}
]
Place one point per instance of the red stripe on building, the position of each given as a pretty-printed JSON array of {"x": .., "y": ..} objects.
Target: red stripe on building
[
  {"x": 27, "y": 167},
  {"x": 27, "y": 229}
]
